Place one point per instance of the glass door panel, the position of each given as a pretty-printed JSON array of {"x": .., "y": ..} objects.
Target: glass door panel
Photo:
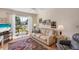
[{"x": 21, "y": 25}]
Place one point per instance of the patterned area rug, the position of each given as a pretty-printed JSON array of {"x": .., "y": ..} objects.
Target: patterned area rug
[{"x": 25, "y": 44}]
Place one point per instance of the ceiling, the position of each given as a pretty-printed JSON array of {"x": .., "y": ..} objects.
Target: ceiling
[{"x": 30, "y": 10}]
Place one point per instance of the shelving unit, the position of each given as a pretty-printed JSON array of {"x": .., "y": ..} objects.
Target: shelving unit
[{"x": 5, "y": 36}]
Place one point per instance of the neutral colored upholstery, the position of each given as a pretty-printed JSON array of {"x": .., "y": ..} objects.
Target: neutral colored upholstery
[{"x": 46, "y": 36}]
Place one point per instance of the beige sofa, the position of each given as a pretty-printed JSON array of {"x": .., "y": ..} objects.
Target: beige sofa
[{"x": 45, "y": 36}]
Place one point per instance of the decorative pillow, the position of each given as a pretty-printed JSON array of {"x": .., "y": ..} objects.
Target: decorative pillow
[
  {"x": 43, "y": 37},
  {"x": 36, "y": 30},
  {"x": 38, "y": 35},
  {"x": 76, "y": 37},
  {"x": 43, "y": 32}
]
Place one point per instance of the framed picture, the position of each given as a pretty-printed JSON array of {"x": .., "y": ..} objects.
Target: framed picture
[
  {"x": 48, "y": 22},
  {"x": 40, "y": 20},
  {"x": 44, "y": 22},
  {"x": 53, "y": 24}
]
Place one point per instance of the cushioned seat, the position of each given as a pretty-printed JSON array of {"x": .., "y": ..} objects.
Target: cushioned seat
[
  {"x": 44, "y": 37},
  {"x": 38, "y": 35}
]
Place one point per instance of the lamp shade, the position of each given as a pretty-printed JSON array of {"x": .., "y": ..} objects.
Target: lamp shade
[
  {"x": 60, "y": 27},
  {"x": 34, "y": 25}
]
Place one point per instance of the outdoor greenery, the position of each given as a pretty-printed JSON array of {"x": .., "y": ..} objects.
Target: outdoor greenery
[{"x": 20, "y": 27}]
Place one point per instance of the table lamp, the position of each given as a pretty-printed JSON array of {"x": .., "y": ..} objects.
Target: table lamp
[
  {"x": 60, "y": 28},
  {"x": 34, "y": 25}
]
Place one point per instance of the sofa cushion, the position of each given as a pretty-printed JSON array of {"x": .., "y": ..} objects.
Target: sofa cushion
[
  {"x": 38, "y": 35},
  {"x": 43, "y": 32},
  {"x": 44, "y": 38}
]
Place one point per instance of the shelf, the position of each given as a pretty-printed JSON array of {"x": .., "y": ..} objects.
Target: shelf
[{"x": 47, "y": 28}]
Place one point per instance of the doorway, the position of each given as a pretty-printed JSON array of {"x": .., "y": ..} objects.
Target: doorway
[{"x": 23, "y": 25}]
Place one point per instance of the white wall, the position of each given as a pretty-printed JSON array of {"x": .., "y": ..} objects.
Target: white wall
[
  {"x": 4, "y": 17},
  {"x": 69, "y": 18}
]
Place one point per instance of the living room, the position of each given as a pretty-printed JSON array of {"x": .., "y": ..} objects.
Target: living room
[{"x": 47, "y": 28}]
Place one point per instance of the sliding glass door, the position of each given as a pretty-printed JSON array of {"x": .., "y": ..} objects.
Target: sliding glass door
[{"x": 21, "y": 24}]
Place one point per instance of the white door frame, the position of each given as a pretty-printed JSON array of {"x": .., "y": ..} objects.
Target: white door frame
[
  {"x": 30, "y": 24},
  {"x": 14, "y": 25}
]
